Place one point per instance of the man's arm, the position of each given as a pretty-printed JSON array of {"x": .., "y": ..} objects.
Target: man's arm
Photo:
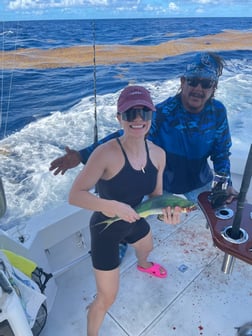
[
  {"x": 222, "y": 142},
  {"x": 221, "y": 154},
  {"x": 70, "y": 160},
  {"x": 86, "y": 152},
  {"x": 73, "y": 158}
]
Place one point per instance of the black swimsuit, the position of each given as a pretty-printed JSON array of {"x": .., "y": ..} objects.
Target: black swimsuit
[{"x": 128, "y": 186}]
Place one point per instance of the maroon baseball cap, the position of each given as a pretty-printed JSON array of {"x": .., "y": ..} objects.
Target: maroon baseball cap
[{"x": 132, "y": 96}]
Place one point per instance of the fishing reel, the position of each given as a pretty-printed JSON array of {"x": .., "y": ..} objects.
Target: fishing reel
[{"x": 219, "y": 194}]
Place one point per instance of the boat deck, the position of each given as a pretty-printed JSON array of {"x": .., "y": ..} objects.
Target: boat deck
[{"x": 196, "y": 298}]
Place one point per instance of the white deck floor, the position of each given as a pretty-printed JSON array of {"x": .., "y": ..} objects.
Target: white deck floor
[{"x": 196, "y": 298}]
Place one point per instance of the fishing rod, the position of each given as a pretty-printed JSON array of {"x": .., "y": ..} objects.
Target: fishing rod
[
  {"x": 3, "y": 204},
  {"x": 94, "y": 72},
  {"x": 10, "y": 84},
  {"x": 235, "y": 231},
  {"x": 95, "y": 102}
]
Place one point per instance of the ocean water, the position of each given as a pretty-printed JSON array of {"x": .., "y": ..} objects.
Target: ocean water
[{"x": 43, "y": 109}]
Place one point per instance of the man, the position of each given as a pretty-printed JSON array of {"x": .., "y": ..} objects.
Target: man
[{"x": 191, "y": 127}]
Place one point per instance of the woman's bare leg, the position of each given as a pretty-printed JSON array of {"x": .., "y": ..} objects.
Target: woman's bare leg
[
  {"x": 107, "y": 283},
  {"x": 143, "y": 247}
]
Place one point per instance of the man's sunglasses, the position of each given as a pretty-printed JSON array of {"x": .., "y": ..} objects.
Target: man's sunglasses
[
  {"x": 131, "y": 114},
  {"x": 205, "y": 83}
]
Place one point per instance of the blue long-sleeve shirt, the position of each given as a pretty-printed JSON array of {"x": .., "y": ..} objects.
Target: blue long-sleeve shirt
[{"x": 188, "y": 139}]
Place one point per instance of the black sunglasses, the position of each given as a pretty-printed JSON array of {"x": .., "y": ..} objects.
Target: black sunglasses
[
  {"x": 131, "y": 114},
  {"x": 205, "y": 83}
]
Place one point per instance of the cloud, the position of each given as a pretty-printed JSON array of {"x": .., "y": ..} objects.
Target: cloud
[
  {"x": 33, "y": 4},
  {"x": 200, "y": 11},
  {"x": 214, "y": 2},
  {"x": 173, "y": 7},
  {"x": 122, "y": 8},
  {"x": 204, "y": 2}
]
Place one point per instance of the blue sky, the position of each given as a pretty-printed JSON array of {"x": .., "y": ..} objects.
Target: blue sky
[{"x": 18, "y": 10}]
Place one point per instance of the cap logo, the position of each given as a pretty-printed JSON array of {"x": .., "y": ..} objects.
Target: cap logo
[
  {"x": 135, "y": 93},
  {"x": 205, "y": 59}
]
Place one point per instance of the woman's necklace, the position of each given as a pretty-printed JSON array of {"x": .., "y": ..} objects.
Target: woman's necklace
[
  {"x": 132, "y": 160},
  {"x": 138, "y": 165}
]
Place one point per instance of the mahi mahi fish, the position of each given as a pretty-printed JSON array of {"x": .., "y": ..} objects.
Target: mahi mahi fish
[{"x": 154, "y": 206}]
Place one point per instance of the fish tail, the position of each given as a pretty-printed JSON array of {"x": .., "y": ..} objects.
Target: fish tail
[
  {"x": 103, "y": 222},
  {"x": 108, "y": 221},
  {"x": 106, "y": 226}
]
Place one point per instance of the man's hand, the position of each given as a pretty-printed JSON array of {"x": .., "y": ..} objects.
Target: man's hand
[
  {"x": 231, "y": 194},
  {"x": 219, "y": 197},
  {"x": 70, "y": 160}
]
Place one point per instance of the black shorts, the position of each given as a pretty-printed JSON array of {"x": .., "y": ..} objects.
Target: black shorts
[{"x": 105, "y": 243}]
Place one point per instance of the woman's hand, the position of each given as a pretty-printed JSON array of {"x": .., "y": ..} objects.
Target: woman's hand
[
  {"x": 121, "y": 210},
  {"x": 171, "y": 215}
]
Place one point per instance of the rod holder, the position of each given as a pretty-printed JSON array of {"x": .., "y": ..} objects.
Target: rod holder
[
  {"x": 228, "y": 263},
  {"x": 224, "y": 213},
  {"x": 229, "y": 260},
  {"x": 243, "y": 235}
]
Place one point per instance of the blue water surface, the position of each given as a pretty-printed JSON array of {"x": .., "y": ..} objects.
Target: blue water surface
[
  {"x": 28, "y": 95},
  {"x": 43, "y": 110}
]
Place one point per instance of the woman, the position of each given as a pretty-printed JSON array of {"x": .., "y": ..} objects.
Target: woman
[{"x": 125, "y": 169}]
